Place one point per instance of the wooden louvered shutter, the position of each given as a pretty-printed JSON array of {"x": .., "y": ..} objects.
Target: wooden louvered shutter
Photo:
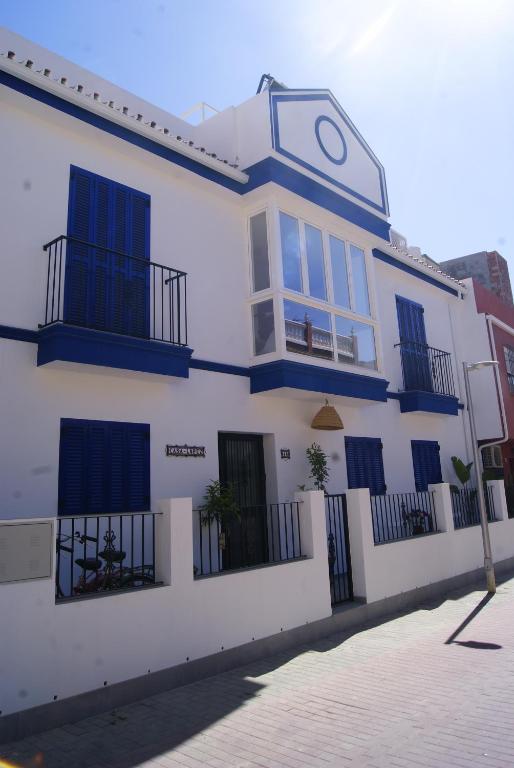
[
  {"x": 98, "y": 468},
  {"x": 415, "y": 362},
  {"x": 137, "y": 452},
  {"x": 426, "y": 462},
  {"x": 78, "y": 269},
  {"x": 72, "y": 467},
  {"x": 364, "y": 464}
]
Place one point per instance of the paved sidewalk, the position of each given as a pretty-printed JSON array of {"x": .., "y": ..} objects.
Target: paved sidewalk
[{"x": 396, "y": 694}]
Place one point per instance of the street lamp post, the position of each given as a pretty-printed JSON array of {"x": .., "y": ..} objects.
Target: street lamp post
[{"x": 488, "y": 558}]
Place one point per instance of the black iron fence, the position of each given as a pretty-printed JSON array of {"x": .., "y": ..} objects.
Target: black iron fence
[
  {"x": 267, "y": 533},
  {"x": 465, "y": 506},
  {"x": 339, "y": 560},
  {"x": 402, "y": 515},
  {"x": 104, "y": 553},
  {"x": 426, "y": 368},
  {"x": 92, "y": 286}
]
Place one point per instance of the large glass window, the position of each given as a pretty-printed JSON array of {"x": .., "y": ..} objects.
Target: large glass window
[
  {"x": 291, "y": 256},
  {"x": 263, "y": 327},
  {"x": 339, "y": 272},
  {"x": 355, "y": 343},
  {"x": 308, "y": 330},
  {"x": 259, "y": 251},
  {"x": 360, "y": 281},
  {"x": 315, "y": 262}
]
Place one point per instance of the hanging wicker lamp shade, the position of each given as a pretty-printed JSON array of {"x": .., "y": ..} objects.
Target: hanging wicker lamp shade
[{"x": 327, "y": 418}]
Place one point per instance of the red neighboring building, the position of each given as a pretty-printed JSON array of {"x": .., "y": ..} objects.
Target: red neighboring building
[{"x": 502, "y": 326}]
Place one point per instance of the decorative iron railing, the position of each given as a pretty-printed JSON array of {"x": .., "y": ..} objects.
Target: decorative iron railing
[
  {"x": 402, "y": 515},
  {"x": 465, "y": 506},
  {"x": 96, "y": 554},
  {"x": 257, "y": 535},
  {"x": 91, "y": 286},
  {"x": 426, "y": 369}
]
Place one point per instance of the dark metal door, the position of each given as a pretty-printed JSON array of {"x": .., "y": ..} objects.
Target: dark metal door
[
  {"x": 339, "y": 560},
  {"x": 241, "y": 465}
]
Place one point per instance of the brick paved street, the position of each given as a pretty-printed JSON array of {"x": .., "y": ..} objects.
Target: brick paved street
[{"x": 396, "y": 694}]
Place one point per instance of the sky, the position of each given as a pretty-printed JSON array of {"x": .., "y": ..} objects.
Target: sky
[{"x": 428, "y": 83}]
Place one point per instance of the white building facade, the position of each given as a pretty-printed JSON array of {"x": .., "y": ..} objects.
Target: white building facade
[{"x": 201, "y": 290}]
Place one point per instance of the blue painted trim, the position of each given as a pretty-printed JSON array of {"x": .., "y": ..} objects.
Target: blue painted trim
[
  {"x": 387, "y": 259},
  {"x": 261, "y": 173},
  {"x": 278, "y": 97},
  {"x": 18, "y": 334},
  {"x": 209, "y": 365},
  {"x": 335, "y": 160},
  {"x": 272, "y": 170},
  {"x": 430, "y": 402},
  {"x": 119, "y": 131},
  {"x": 84, "y": 345},
  {"x": 284, "y": 373}
]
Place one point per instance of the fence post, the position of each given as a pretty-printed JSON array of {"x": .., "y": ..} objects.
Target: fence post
[
  {"x": 313, "y": 531},
  {"x": 443, "y": 506},
  {"x": 174, "y": 541},
  {"x": 499, "y": 499},
  {"x": 362, "y": 545}
]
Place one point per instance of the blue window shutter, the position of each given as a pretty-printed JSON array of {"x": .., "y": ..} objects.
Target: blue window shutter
[
  {"x": 72, "y": 467},
  {"x": 102, "y": 290},
  {"x": 364, "y": 464},
  {"x": 104, "y": 467},
  {"x": 415, "y": 361},
  {"x": 426, "y": 462}
]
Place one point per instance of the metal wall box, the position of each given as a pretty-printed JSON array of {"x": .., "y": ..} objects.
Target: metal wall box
[{"x": 25, "y": 551}]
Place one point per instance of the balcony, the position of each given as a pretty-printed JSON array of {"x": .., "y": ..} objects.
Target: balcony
[
  {"x": 427, "y": 379},
  {"x": 108, "y": 308}
]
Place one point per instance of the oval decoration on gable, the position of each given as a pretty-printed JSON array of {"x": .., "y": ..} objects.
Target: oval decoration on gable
[{"x": 333, "y": 137}]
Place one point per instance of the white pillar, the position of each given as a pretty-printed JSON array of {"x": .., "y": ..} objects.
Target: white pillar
[
  {"x": 174, "y": 541},
  {"x": 443, "y": 506},
  {"x": 313, "y": 531},
  {"x": 362, "y": 545}
]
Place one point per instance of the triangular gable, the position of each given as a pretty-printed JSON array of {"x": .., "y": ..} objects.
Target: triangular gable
[{"x": 311, "y": 129}]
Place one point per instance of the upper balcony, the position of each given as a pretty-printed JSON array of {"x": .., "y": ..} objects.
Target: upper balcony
[
  {"x": 104, "y": 307},
  {"x": 428, "y": 383}
]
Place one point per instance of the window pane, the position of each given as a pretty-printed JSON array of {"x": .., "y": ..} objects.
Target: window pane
[
  {"x": 360, "y": 282},
  {"x": 339, "y": 272},
  {"x": 355, "y": 343},
  {"x": 259, "y": 248},
  {"x": 315, "y": 263},
  {"x": 308, "y": 330},
  {"x": 291, "y": 261},
  {"x": 263, "y": 327}
]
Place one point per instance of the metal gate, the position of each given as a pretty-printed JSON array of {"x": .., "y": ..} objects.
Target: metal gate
[{"x": 339, "y": 560}]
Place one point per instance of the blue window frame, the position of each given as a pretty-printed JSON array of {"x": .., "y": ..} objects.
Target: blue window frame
[
  {"x": 103, "y": 290},
  {"x": 364, "y": 464},
  {"x": 104, "y": 467},
  {"x": 426, "y": 462}
]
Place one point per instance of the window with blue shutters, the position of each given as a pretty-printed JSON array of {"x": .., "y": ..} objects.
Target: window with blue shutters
[
  {"x": 364, "y": 464},
  {"x": 104, "y": 467},
  {"x": 104, "y": 288},
  {"x": 413, "y": 345},
  {"x": 426, "y": 462}
]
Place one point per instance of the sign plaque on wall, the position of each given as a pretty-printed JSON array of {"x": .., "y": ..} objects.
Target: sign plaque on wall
[
  {"x": 186, "y": 451},
  {"x": 285, "y": 453}
]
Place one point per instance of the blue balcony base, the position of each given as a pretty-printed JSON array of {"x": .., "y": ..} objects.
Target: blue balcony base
[
  {"x": 72, "y": 344},
  {"x": 430, "y": 402},
  {"x": 284, "y": 373}
]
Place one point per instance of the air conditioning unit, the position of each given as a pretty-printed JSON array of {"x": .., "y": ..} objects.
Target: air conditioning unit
[{"x": 492, "y": 457}]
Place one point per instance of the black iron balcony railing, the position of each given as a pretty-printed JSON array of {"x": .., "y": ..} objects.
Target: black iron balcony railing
[
  {"x": 465, "y": 506},
  {"x": 402, "y": 515},
  {"x": 91, "y": 286},
  {"x": 426, "y": 369}
]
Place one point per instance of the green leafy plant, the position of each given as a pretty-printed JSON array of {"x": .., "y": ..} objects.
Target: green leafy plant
[
  {"x": 463, "y": 472},
  {"x": 219, "y": 504},
  {"x": 317, "y": 459}
]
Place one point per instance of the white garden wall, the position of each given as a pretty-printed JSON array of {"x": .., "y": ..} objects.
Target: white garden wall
[{"x": 59, "y": 650}]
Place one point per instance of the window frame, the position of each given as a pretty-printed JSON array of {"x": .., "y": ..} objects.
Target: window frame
[{"x": 508, "y": 354}]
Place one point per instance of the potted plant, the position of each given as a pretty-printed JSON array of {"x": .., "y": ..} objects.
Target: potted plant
[
  {"x": 219, "y": 505},
  {"x": 415, "y": 520},
  {"x": 318, "y": 463}
]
